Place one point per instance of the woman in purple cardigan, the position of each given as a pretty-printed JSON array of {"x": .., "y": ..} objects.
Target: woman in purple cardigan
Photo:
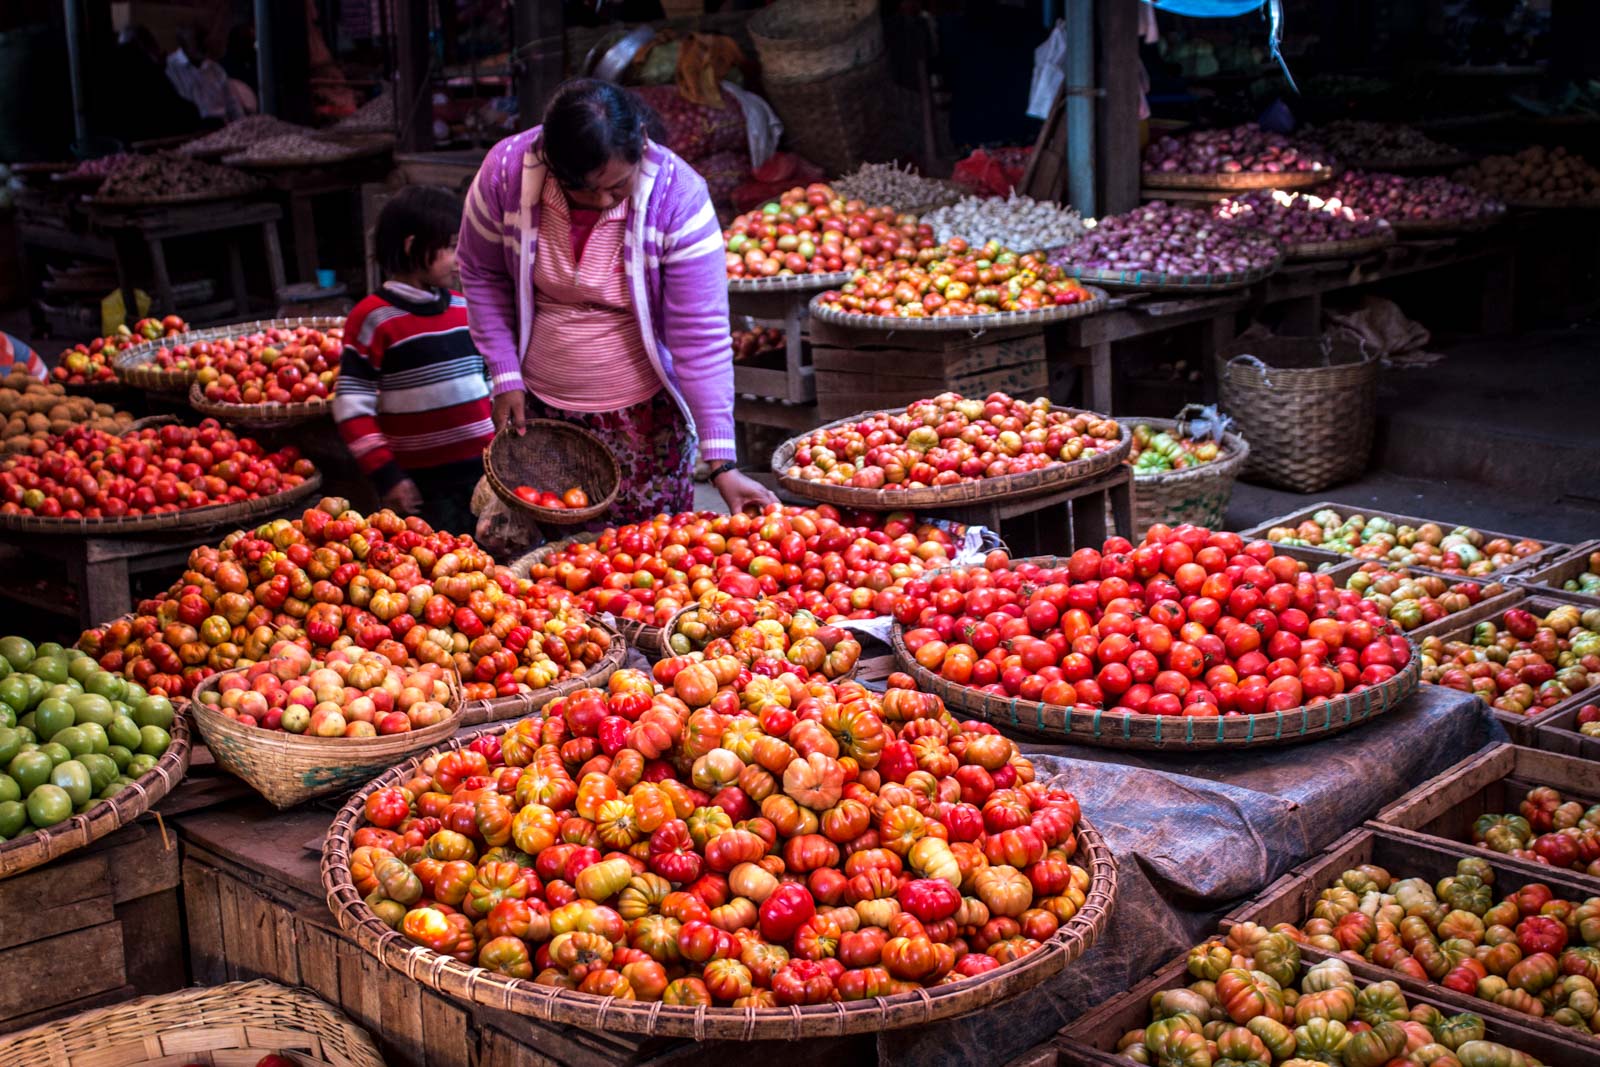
[{"x": 594, "y": 273}]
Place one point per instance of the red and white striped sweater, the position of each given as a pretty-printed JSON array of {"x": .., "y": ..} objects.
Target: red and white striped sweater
[{"x": 412, "y": 392}]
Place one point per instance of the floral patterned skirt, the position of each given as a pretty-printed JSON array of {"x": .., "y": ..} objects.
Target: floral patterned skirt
[{"x": 654, "y": 449}]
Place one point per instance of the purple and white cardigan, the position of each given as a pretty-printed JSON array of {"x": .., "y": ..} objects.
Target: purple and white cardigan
[{"x": 673, "y": 257}]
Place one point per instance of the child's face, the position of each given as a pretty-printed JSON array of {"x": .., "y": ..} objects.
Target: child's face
[{"x": 443, "y": 272}]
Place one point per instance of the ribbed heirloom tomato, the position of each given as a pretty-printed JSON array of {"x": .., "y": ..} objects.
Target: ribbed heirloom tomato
[{"x": 1189, "y": 622}]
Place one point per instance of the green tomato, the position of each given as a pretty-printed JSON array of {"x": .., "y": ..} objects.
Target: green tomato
[
  {"x": 105, "y": 684},
  {"x": 8, "y": 717},
  {"x": 18, "y": 651},
  {"x": 91, "y": 708},
  {"x": 114, "y": 788},
  {"x": 14, "y": 692},
  {"x": 28, "y": 723},
  {"x": 74, "y": 779},
  {"x": 36, "y": 687},
  {"x": 9, "y": 789},
  {"x": 5, "y": 667},
  {"x": 29, "y": 738},
  {"x": 31, "y": 770},
  {"x": 98, "y": 740},
  {"x": 48, "y": 805},
  {"x": 123, "y": 731},
  {"x": 57, "y": 752},
  {"x": 52, "y": 648},
  {"x": 140, "y": 765},
  {"x": 50, "y": 669},
  {"x": 120, "y": 755},
  {"x": 79, "y": 668},
  {"x": 10, "y": 744},
  {"x": 153, "y": 711},
  {"x": 13, "y": 818},
  {"x": 132, "y": 692},
  {"x": 153, "y": 740},
  {"x": 52, "y": 716},
  {"x": 75, "y": 739},
  {"x": 102, "y": 770}
]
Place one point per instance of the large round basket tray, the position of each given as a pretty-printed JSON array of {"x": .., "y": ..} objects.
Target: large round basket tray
[
  {"x": 1152, "y": 281},
  {"x": 102, "y": 392},
  {"x": 1000, "y": 320},
  {"x": 499, "y": 709},
  {"x": 1034, "y": 720},
  {"x": 1357, "y": 246},
  {"x": 133, "y": 364},
  {"x": 1412, "y": 165},
  {"x": 258, "y": 414},
  {"x": 671, "y": 628},
  {"x": 192, "y": 519},
  {"x": 1446, "y": 227},
  {"x": 26, "y": 851},
  {"x": 1197, "y": 495},
  {"x": 289, "y": 769},
  {"x": 647, "y": 639},
  {"x": 233, "y": 1024},
  {"x": 605, "y": 1014},
  {"x": 790, "y": 283},
  {"x": 982, "y": 491},
  {"x": 1571, "y": 204},
  {"x": 553, "y": 455},
  {"x": 355, "y": 152},
  {"x": 1297, "y": 179},
  {"x": 198, "y": 197}
]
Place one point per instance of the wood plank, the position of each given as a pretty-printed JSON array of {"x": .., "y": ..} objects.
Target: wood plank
[
  {"x": 70, "y": 967},
  {"x": 57, "y": 897},
  {"x": 447, "y": 1032},
  {"x": 238, "y": 948},
  {"x": 140, "y": 864},
  {"x": 48, "y": 923},
  {"x": 202, "y": 915},
  {"x": 319, "y": 959},
  {"x": 153, "y": 942},
  {"x": 76, "y": 1007}
]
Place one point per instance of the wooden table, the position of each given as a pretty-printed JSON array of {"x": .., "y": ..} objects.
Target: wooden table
[
  {"x": 301, "y": 187},
  {"x": 1058, "y": 522},
  {"x": 795, "y": 382}
]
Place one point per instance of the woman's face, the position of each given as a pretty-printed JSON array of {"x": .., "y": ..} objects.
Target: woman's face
[{"x": 605, "y": 186}]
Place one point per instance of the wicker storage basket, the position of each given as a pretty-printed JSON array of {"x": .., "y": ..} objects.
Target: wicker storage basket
[
  {"x": 809, "y": 40},
  {"x": 27, "y": 851},
  {"x": 553, "y": 455},
  {"x": 1306, "y": 405},
  {"x": 606, "y": 1014},
  {"x": 239, "y": 513},
  {"x": 231, "y": 1025},
  {"x": 289, "y": 769},
  {"x": 1198, "y": 494},
  {"x": 839, "y": 121},
  {"x": 647, "y": 639},
  {"x": 264, "y": 414},
  {"x": 135, "y": 365},
  {"x": 499, "y": 709}
]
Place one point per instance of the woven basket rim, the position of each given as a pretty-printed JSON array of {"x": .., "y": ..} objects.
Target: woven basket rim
[
  {"x": 263, "y": 414},
  {"x": 355, "y": 152},
  {"x": 643, "y": 636},
  {"x": 502, "y": 709},
  {"x": 1000, "y": 320},
  {"x": 1298, "y": 179},
  {"x": 236, "y": 1007},
  {"x": 205, "y": 518},
  {"x": 131, "y": 361},
  {"x": 522, "y": 996},
  {"x": 792, "y": 283},
  {"x": 1402, "y": 163},
  {"x": 350, "y": 752},
  {"x": 1107, "y": 729},
  {"x": 200, "y": 197},
  {"x": 1427, "y": 227},
  {"x": 1161, "y": 281},
  {"x": 1235, "y": 449},
  {"x": 27, "y": 851},
  {"x": 552, "y": 516},
  {"x": 1354, "y": 246},
  {"x": 670, "y": 627},
  {"x": 1007, "y": 487}
]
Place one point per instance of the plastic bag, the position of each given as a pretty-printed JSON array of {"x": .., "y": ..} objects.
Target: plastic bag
[
  {"x": 762, "y": 126},
  {"x": 1049, "y": 71}
]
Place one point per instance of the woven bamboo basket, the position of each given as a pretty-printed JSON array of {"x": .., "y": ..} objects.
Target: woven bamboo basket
[
  {"x": 1425, "y": 228},
  {"x": 101, "y": 392},
  {"x": 791, "y": 283},
  {"x": 231, "y": 1025},
  {"x": 289, "y": 769},
  {"x": 1033, "y": 720},
  {"x": 809, "y": 40},
  {"x": 499, "y": 709},
  {"x": 670, "y": 630},
  {"x": 204, "y": 518},
  {"x": 259, "y": 414},
  {"x": 838, "y": 120},
  {"x": 998, "y": 320},
  {"x": 1307, "y": 406},
  {"x": 646, "y": 638},
  {"x": 1199, "y": 495},
  {"x": 1298, "y": 179},
  {"x": 41, "y": 846},
  {"x": 983, "y": 491},
  {"x": 1149, "y": 281},
  {"x": 134, "y": 364},
  {"x": 605, "y": 1014},
  {"x": 1356, "y": 246},
  {"x": 553, "y": 455}
]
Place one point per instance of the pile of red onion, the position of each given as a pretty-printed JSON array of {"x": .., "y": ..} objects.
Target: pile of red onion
[
  {"x": 1159, "y": 236},
  {"x": 1247, "y": 149},
  {"x": 1299, "y": 218},
  {"x": 1400, "y": 199}
]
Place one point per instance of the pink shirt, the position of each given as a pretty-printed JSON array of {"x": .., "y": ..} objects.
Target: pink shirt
[{"x": 585, "y": 352}]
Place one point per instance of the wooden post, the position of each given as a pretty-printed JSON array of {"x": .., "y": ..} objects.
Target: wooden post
[
  {"x": 1117, "y": 118},
  {"x": 413, "y": 94},
  {"x": 541, "y": 57},
  {"x": 1080, "y": 108},
  {"x": 283, "y": 58},
  {"x": 76, "y": 64}
]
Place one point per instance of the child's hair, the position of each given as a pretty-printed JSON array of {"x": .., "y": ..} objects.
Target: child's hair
[
  {"x": 427, "y": 214},
  {"x": 589, "y": 122}
]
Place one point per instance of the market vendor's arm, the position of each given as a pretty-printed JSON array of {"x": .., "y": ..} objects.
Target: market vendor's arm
[
  {"x": 355, "y": 412},
  {"x": 490, "y": 288}
]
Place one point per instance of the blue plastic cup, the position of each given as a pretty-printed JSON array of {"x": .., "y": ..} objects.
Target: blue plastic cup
[{"x": 326, "y": 279}]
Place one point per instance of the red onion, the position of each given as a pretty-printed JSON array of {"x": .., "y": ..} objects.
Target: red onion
[
  {"x": 1399, "y": 198},
  {"x": 1298, "y": 218},
  {"x": 1162, "y": 237},
  {"x": 1241, "y": 149}
]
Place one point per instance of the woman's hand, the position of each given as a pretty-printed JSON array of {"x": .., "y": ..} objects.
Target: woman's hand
[
  {"x": 404, "y": 498},
  {"x": 509, "y": 410},
  {"x": 741, "y": 492}
]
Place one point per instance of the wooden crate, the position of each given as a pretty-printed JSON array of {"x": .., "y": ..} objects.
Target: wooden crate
[
  {"x": 95, "y": 927},
  {"x": 874, "y": 370},
  {"x": 1291, "y": 898},
  {"x": 1546, "y": 581},
  {"x": 1558, "y": 731},
  {"x": 1091, "y": 1041},
  {"x": 1299, "y": 515},
  {"x": 1493, "y": 781},
  {"x": 1522, "y": 728},
  {"x": 1058, "y": 521},
  {"x": 790, "y": 377}
]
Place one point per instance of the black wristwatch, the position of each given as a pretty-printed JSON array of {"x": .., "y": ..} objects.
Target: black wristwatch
[{"x": 720, "y": 467}]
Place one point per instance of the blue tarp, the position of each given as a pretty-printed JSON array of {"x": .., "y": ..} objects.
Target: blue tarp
[
  {"x": 1209, "y": 9},
  {"x": 1195, "y": 835}
]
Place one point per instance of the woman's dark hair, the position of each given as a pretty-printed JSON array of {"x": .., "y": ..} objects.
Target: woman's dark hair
[
  {"x": 588, "y": 123},
  {"x": 427, "y": 214}
]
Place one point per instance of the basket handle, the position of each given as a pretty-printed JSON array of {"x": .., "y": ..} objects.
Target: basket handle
[{"x": 1245, "y": 357}]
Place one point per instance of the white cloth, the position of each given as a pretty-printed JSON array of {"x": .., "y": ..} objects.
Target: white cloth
[{"x": 205, "y": 86}]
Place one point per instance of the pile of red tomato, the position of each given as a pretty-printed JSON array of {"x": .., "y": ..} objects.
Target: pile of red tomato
[
  {"x": 1520, "y": 662},
  {"x": 713, "y": 836},
  {"x": 274, "y": 366},
  {"x": 831, "y": 566},
  {"x": 90, "y": 364},
  {"x": 1190, "y": 622},
  {"x": 335, "y": 577},
  {"x": 812, "y": 230},
  {"x": 94, "y": 474},
  {"x": 955, "y": 279}
]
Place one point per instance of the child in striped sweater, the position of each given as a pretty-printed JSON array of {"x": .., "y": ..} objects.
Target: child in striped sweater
[{"x": 412, "y": 402}]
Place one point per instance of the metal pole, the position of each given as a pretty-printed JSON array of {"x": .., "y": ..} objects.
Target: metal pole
[
  {"x": 266, "y": 58},
  {"x": 1078, "y": 111},
  {"x": 73, "y": 10}
]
